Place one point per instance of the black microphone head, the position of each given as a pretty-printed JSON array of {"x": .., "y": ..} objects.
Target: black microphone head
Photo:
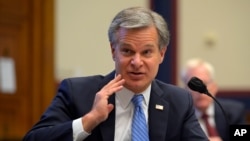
[{"x": 196, "y": 84}]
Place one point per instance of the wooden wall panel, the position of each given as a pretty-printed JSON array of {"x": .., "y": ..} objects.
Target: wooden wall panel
[{"x": 26, "y": 36}]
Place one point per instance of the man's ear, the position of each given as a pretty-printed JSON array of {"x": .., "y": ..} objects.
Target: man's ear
[
  {"x": 112, "y": 51},
  {"x": 162, "y": 53},
  {"x": 214, "y": 88}
]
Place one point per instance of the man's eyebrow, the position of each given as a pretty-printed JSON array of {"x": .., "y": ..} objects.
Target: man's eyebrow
[
  {"x": 149, "y": 45},
  {"x": 125, "y": 44},
  {"x": 129, "y": 45}
]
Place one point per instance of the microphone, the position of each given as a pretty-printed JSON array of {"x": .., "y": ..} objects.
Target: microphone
[{"x": 197, "y": 85}]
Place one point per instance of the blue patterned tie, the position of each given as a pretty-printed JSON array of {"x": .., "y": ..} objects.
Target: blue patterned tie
[{"x": 139, "y": 125}]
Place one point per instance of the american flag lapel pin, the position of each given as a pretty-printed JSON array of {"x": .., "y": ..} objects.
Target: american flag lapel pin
[{"x": 158, "y": 107}]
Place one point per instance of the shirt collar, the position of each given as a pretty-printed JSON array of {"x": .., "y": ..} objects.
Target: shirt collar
[{"x": 125, "y": 95}]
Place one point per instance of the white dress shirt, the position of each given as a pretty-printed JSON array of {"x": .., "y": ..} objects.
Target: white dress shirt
[{"x": 123, "y": 118}]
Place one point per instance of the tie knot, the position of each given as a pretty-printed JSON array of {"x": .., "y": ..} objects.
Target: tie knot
[
  {"x": 204, "y": 116},
  {"x": 137, "y": 99}
]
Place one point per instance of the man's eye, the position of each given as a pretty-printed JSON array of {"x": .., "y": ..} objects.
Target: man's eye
[
  {"x": 126, "y": 51},
  {"x": 147, "y": 52}
]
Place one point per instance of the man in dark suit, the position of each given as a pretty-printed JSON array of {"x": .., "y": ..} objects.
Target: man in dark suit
[
  {"x": 235, "y": 111},
  {"x": 101, "y": 108}
]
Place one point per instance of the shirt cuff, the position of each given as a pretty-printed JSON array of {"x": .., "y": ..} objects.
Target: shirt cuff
[{"x": 78, "y": 132}]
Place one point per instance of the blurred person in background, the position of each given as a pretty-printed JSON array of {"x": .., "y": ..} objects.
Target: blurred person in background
[{"x": 208, "y": 112}]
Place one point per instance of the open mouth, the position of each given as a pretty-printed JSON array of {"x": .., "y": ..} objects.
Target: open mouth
[{"x": 136, "y": 75}]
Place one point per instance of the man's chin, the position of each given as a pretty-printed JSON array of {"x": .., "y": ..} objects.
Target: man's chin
[
  {"x": 201, "y": 106},
  {"x": 134, "y": 87}
]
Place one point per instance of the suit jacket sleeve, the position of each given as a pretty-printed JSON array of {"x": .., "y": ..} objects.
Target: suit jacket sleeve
[{"x": 56, "y": 122}]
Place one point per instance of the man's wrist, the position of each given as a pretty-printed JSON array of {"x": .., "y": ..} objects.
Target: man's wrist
[{"x": 89, "y": 122}]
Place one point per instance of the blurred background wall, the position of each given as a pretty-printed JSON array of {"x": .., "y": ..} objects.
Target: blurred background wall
[
  {"x": 81, "y": 37},
  {"x": 217, "y": 31}
]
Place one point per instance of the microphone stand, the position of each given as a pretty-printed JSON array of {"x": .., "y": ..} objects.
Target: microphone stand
[{"x": 222, "y": 109}]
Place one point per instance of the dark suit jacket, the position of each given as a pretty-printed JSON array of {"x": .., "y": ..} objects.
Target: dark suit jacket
[
  {"x": 176, "y": 122},
  {"x": 235, "y": 114}
]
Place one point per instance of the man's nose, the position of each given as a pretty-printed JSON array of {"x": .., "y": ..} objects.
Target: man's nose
[{"x": 137, "y": 61}]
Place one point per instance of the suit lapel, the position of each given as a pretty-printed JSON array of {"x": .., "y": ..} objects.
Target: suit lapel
[{"x": 158, "y": 117}]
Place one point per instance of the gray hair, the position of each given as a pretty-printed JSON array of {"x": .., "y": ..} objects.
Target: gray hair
[
  {"x": 137, "y": 17},
  {"x": 194, "y": 63}
]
